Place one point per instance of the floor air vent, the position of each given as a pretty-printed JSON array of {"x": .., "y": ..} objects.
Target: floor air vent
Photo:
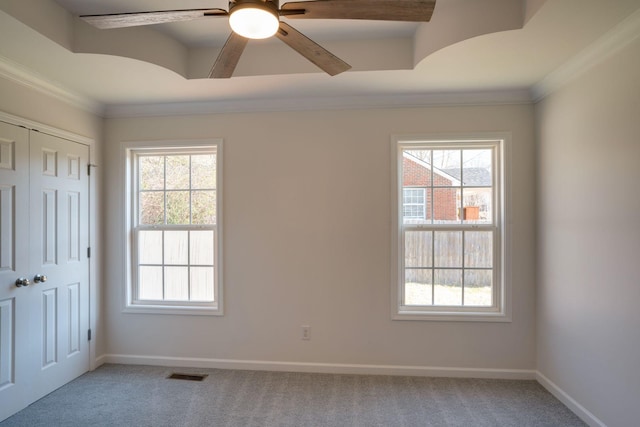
[{"x": 187, "y": 377}]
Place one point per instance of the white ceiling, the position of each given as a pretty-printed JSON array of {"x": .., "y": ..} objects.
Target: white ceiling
[
  {"x": 460, "y": 51},
  {"x": 206, "y": 32}
]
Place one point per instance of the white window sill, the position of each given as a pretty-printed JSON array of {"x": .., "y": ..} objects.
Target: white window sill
[
  {"x": 451, "y": 316},
  {"x": 169, "y": 309}
]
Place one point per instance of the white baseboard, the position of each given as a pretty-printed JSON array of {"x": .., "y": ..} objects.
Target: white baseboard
[
  {"x": 100, "y": 360},
  {"x": 328, "y": 368},
  {"x": 570, "y": 402}
]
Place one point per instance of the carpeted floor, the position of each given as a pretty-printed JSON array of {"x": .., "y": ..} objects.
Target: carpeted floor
[{"x": 123, "y": 395}]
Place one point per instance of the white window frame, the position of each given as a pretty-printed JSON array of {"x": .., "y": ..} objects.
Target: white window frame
[
  {"x": 500, "y": 311},
  {"x": 129, "y": 154}
]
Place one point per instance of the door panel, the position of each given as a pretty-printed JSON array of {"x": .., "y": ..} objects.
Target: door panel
[
  {"x": 7, "y": 223},
  {"x": 16, "y": 359},
  {"x": 49, "y": 331},
  {"x": 7, "y": 377},
  {"x": 49, "y": 237},
  {"x": 74, "y": 317}
]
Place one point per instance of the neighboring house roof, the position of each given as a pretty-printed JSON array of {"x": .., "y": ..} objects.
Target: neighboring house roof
[{"x": 472, "y": 176}]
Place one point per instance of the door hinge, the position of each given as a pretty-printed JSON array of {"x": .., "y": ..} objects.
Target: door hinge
[
  {"x": 89, "y": 335},
  {"x": 88, "y": 252},
  {"x": 89, "y": 166}
]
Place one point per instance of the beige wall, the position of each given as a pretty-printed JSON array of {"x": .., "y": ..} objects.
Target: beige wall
[
  {"x": 307, "y": 241},
  {"x": 588, "y": 319},
  {"x": 26, "y": 103}
]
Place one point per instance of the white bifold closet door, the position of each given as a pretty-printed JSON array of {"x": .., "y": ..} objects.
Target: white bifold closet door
[{"x": 44, "y": 268}]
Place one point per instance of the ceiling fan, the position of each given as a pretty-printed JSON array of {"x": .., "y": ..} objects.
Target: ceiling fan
[{"x": 259, "y": 19}]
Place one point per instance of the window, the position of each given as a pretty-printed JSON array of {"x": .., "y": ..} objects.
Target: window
[
  {"x": 174, "y": 226},
  {"x": 413, "y": 206},
  {"x": 448, "y": 249}
]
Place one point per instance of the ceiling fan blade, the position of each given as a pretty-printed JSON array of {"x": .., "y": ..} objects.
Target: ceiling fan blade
[
  {"x": 311, "y": 50},
  {"x": 120, "y": 20},
  {"x": 375, "y": 10},
  {"x": 229, "y": 56}
]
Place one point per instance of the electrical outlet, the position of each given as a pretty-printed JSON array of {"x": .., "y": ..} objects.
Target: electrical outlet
[{"x": 306, "y": 332}]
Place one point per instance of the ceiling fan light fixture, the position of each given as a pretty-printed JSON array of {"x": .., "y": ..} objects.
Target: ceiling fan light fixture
[{"x": 254, "y": 19}]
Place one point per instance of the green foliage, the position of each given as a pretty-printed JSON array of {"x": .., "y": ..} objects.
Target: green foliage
[{"x": 177, "y": 189}]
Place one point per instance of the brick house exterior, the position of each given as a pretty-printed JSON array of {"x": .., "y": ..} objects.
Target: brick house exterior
[{"x": 417, "y": 174}]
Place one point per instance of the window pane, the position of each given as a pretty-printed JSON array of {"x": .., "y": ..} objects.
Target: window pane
[
  {"x": 476, "y": 168},
  {"x": 448, "y": 287},
  {"x": 150, "y": 285},
  {"x": 412, "y": 211},
  {"x": 203, "y": 171},
  {"x": 478, "y": 249},
  {"x": 203, "y": 207},
  {"x": 446, "y": 168},
  {"x": 477, "y": 205},
  {"x": 178, "y": 172},
  {"x": 416, "y": 168},
  {"x": 477, "y": 287},
  {"x": 448, "y": 248},
  {"x": 446, "y": 205},
  {"x": 418, "y": 248},
  {"x": 202, "y": 284},
  {"x": 176, "y": 283},
  {"x": 176, "y": 244},
  {"x": 418, "y": 287},
  {"x": 421, "y": 155},
  {"x": 414, "y": 205},
  {"x": 151, "y": 172},
  {"x": 202, "y": 248},
  {"x": 150, "y": 247},
  {"x": 178, "y": 207},
  {"x": 414, "y": 196},
  {"x": 416, "y": 181},
  {"x": 152, "y": 208}
]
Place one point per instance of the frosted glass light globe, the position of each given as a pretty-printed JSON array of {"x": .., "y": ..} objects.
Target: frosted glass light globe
[{"x": 254, "y": 22}]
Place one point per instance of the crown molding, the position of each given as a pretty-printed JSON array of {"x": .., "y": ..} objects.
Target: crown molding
[
  {"x": 19, "y": 74},
  {"x": 503, "y": 97},
  {"x": 611, "y": 42},
  {"x": 24, "y": 76}
]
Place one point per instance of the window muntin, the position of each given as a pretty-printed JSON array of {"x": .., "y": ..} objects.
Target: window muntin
[
  {"x": 448, "y": 268},
  {"x": 176, "y": 265},
  {"x": 175, "y": 228},
  {"x": 177, "y": 189},
  {"x": 449, "y": 263}
]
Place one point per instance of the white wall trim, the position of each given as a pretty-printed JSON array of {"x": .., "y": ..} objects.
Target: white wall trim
[
  {"x": 502, "y": 97},
  {"x": 569, "y": 401},
  {"x": 19, "y": 74},
  {"x": 326, "y": 368},
  {"x": 611, "y": 42},
  {"x": 49, "y": 130}
]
